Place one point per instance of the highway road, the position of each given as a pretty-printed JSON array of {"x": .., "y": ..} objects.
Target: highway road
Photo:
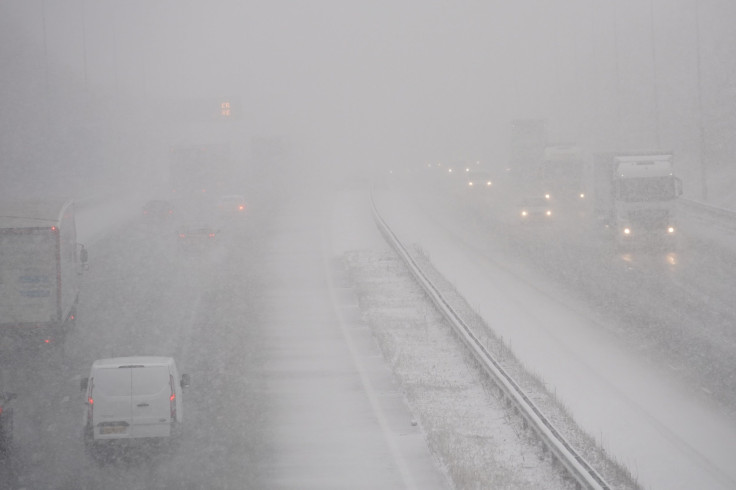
[
  {"x": 638, "y": 344},
  {"x": 288, "y": 387}
]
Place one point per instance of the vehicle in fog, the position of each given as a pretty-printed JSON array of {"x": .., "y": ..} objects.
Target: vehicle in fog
[
  {"x": 6, "y": 421},
  {"x": 158, "y": 211},
  {"x": 562, "y": 176},
  {"x": 40, "y": 268},
  {"x": 535, "y": 209},
  {"x": 477, "y": 179},
  {"x": 231, "y": 205},
  {"x": 196, "y": 238},
  {"x": 635, "y": 196},
  {"x": 132, "y": 399}
]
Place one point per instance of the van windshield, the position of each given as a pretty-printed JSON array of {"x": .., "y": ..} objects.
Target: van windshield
[{"x": 150, "y": 380}]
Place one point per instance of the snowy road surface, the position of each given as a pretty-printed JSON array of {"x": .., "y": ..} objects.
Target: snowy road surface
[
  {"x": 288, "y": 386},
  {"x": 668, "y": 433},
  {"x": 288, "y": 389}
]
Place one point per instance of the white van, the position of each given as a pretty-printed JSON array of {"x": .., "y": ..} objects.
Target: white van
[{"x": 133, "y": 398}]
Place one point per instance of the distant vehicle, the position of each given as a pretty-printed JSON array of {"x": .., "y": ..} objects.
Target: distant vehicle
[
  {"x": 194, "y": 238},
  {"x": 635, "y": 196},
  {"x": 6, "y": 421},
  {"x": 132, "y": 399},
  {"x": 232, "y": 204},
  {"x": 535, "y": 209},
  {"x": 479, "y": 180},
  {"x": 562, "y": 176},
  {"x": 41, "y": 266},
  {"x": 158, "y": 211}
]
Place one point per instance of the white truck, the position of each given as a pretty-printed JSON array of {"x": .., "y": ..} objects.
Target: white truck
[
  {"x": 635, "y": 195},
  {"x": 41, "y": 265}
]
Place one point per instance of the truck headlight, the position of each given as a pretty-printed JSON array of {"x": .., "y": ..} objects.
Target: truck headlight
[
  {"x": 627, "y": 231},
  {"x": 670, "y": 230}
]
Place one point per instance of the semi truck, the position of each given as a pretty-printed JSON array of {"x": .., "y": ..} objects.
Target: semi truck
[
  {"x": 41, "y": 265},
  {"x": 635, "y": 196}
]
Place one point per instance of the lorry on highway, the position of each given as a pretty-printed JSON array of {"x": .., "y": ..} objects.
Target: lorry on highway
[
  {"x": 635, "y": 196},
  {"x": 41, "y": 265}
]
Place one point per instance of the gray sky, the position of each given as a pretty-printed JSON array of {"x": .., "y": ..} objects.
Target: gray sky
[{"x": 411, "y": 80}]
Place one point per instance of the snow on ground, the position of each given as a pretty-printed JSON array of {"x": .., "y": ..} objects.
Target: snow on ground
[
  {"x": 473, "y": 433},
  {"x": 646, "y": 420}
]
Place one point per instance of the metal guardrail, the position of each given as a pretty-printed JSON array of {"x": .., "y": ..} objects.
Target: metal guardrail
[{"x": 576, "y": 466}]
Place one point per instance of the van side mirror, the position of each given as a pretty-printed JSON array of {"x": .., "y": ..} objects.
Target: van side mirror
[
  {"x": 185, "y": 381},
  {"x": 83, "y": 383}
]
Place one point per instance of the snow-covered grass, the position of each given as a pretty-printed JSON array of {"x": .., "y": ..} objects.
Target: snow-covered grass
[{"x": 475, "y": 435}]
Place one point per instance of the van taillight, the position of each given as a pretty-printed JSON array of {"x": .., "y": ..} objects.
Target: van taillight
[
  {"x": 90, "y": 401},
  {"x": 172, "y": 398}
]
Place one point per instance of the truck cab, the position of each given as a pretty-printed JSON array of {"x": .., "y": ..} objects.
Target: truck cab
[{"x": 644, "y": 191}]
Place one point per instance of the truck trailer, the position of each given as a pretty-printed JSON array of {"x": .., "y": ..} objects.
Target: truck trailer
[
  {"x": 635, "y": 196},
  {"x": 41, "y": 265}
]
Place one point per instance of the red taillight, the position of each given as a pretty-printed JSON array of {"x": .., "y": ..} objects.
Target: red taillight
[
  {"x": 212, "y": 235},
  {"x": 241, "y": 207},
  {"x": 90, "y": 401},
  {"x": 172, "y": 398},
  {"x": 1, "y": 410}
]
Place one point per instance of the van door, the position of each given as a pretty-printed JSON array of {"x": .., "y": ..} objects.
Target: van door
[
  {"x": 110, "y": 390},
  {"x": 151, "y": 401}
]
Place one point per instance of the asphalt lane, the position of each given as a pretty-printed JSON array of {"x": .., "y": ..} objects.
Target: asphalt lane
[{"x": 288, "y": 388}]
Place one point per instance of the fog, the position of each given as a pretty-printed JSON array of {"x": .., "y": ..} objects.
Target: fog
[
  {"x": 314, "y": 101},
  {"x": 90, "y": 87}
]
